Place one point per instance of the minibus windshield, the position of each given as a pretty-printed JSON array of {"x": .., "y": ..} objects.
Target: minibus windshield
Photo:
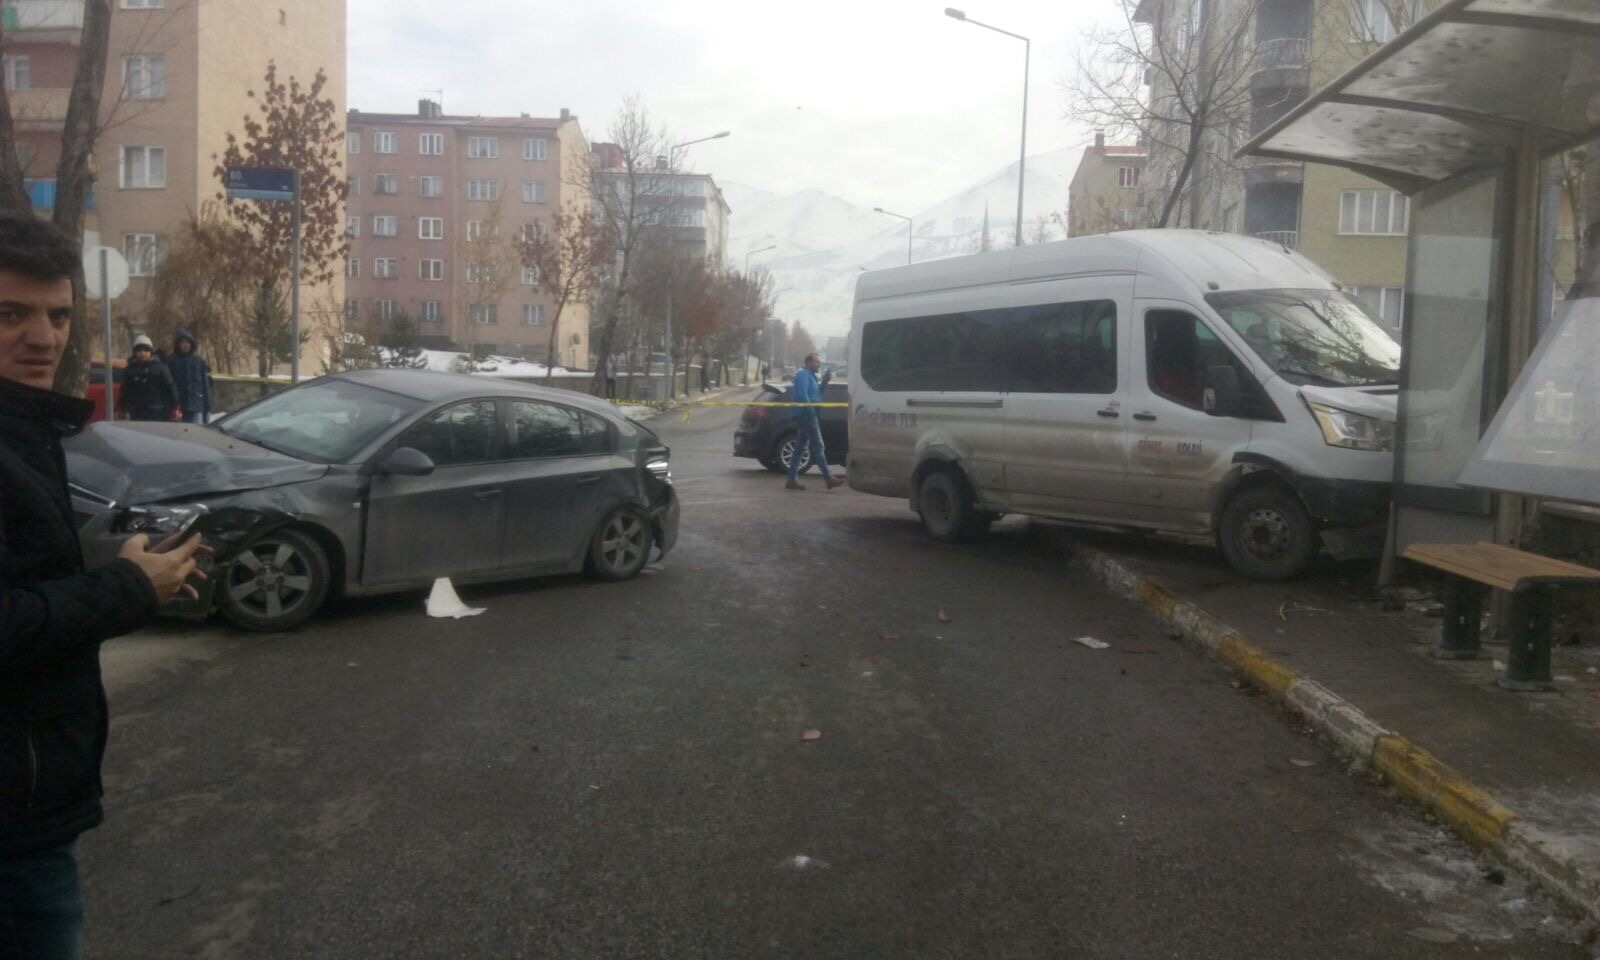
[{"x": 1318, "y": 337}]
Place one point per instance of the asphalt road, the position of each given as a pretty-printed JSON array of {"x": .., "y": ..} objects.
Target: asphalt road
[{"x": 594, "y": 770}]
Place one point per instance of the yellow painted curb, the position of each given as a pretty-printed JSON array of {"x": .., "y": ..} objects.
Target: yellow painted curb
[
  {"x": 1263, "y": 671},
  {"x": 1425, "y": 778},
  {"x": 1157, "y": 598}
]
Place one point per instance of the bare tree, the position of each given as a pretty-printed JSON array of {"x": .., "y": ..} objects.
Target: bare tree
[
  {"x": 630, "y": 183},
  {"x": 1580, "y": 182},
  {"x": 297, "y": 128},
  {"x": 489, "y": 259},
  {"x": 567, "y": 260},
  {"x": 198, "y": 285}
]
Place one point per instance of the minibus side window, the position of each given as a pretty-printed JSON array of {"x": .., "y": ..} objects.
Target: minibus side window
[
  {"x": 949, "y": 352},
  {"x": 1063, "y": 348},
  {"x": 1179, "y": 349}
]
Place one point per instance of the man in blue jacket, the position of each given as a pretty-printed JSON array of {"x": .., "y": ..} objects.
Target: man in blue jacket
[
  {"x": 54, "y": 614},
  {"x": 192, "y": 375},
  {"x": 808, "y": 390}
]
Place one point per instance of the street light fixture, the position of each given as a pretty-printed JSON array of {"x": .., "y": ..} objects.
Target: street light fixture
[
  {"x": 750, "y": 253},
  {"x": 1027, "y": 52},
  {"x": 672, "y": 151},
  {"x": 909, "y": 226}
]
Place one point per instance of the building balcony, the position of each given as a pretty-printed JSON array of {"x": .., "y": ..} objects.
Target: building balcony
[
  {"x": 20, "y": 15},
  {"x": 40, "y": 108},
  {"x": 1260, "y": 170},
  {"x": 42, "y": 195},
  {"x": 1286, "y": 238},
  {"x": 1282, "y": 52}
]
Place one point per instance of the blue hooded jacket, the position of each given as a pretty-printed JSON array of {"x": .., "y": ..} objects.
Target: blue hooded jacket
[
  {"x": 190, "y": 374},
  {"x": 806, "y": 390}
]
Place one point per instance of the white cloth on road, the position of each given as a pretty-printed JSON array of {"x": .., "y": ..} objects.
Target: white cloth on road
[{"x": 443, "y": 602}]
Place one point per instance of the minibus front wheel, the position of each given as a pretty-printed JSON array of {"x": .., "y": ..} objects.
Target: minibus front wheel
[
  {"x": 1266, "y": 533},
  {"x": 947, "y": 507}
]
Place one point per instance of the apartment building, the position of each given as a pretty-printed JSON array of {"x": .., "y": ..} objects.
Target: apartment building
[
  {"x": 1105, "y": 191},
  {"x": 178, "y": 73},
  {"x": 697, "y": 213},
  {"x": 1352, "y": 226},
  {"x": 436, "y": 205}
]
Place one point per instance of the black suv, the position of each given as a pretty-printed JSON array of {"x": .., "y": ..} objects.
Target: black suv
[{"x": 768, "y": 433}]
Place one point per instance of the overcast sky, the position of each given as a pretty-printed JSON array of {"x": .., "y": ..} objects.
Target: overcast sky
[{"x": 883, "y": 102}]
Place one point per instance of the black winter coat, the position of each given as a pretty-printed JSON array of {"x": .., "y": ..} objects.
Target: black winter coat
[
  {"x": 148, "y": 392},
  {"x": 53, "y": 617}
]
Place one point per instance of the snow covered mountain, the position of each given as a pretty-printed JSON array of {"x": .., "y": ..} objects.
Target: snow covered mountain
[{"x": 823, "y": 242}]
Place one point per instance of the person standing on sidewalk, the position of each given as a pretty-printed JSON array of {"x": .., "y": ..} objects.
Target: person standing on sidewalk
[
  {"x": 53, "y": 614},
  {"x": 147, "y": 389},
  {"x": 611, "y": 376},
  {"x": 809, "y": 436},
  {"x": 192, "y": 375}
]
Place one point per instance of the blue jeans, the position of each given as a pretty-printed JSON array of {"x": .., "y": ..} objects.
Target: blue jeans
[
  {"x": 199, "y": 418},
  {"x": 810, "y": 436},
  {"x": 41, "y": 907}
]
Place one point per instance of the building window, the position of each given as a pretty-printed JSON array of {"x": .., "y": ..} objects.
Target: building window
[
  {"x": 1385, "y": 303},
  {"x": 385, "y": 226},
  {"x": 483, "y": 189},
  {"x": 352, "y": 309},
  {"x": 533, "y": 148},
  {"x": 531, "y": 232},
  {"x": 385, "y": 185},
  {"x": 480, "y": 273},
  {"x": 143, "y": 168},
  {"x": 354, "y": 183},
  {"x": 352, "y": 268},
  {"x": 144, "y": 253},
  {"x": 19, "y": 73},
  {"x": 1384, "y": 213},
  {"x": 533, "y": 314},
  {"x": 1373, "y": 21},
  {"x": 477, "y": 229},
  {"x": 430, "y": 269},
  {"x": 530, "y": 275},
  {"x": 352, "y": 226},
  {"x": 385, "y": 268},
  {"x": 144, "y": 4},
  {"x": 144, "y": 76},
  {"x": 484, "y": 313},
  {"x": 1127, "y": 177},
  {"x": 430, "y": 228},
  {"x": 385, "y": 308},
  {"x": 430, "y": 311},
  {"x": 483, "y": 148},
  {"x": 352, "y": 142},
  {"x": 430, "y": 186},
  {"x": 384, "y": 143},
  {"x": 533, "y": 191},
  {"x": 430, "y": 144}
]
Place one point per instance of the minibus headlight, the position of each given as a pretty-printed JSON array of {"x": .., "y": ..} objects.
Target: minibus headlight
[{"x": 1341, "y": 428}]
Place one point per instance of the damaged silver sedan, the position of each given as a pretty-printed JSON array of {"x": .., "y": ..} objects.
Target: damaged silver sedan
[{"x": 377, "y": 481}]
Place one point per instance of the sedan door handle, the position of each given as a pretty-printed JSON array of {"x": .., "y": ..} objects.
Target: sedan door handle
[
  {"x": 487, "y": 494},
  {"x": 1109, "y": 414},
  {"x": 1144, "y": 416}
]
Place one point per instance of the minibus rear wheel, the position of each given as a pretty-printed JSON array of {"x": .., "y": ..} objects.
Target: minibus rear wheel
[
  {"x": 948, "y": 513},
  {"x": 1267, "y": 534}
]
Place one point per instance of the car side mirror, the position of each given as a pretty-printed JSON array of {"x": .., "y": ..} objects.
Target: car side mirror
[
  {"x": 407, "y": 462},
  {"x": 1223, "y": 396}
]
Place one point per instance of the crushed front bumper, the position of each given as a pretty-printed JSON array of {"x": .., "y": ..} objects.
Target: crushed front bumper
[{"x": 664, "y": 520}]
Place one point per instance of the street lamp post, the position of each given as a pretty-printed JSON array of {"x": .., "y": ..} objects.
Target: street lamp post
[
  {"x": 1027, "y": 52},
  {"x": 672, "y": 370},
  {"x": 751, "y": 253},
  {"x": 909, "y": 226}
]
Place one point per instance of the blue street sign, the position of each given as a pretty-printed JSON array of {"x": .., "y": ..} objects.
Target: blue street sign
[{"x": 260, "y": 183}]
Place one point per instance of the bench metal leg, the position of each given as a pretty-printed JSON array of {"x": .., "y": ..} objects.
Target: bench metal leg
[
  {"x": 1532, "y": 624},
  {"x": 1463, "y": 620}
]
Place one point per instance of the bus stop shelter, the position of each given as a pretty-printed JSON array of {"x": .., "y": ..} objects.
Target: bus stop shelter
[{"x": 1500, "y": 377}]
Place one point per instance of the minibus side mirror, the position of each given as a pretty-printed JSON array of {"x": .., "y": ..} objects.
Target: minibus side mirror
[{"x": 1223, "y": 397}]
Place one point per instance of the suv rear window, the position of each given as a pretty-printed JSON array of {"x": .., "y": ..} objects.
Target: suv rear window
[{"x": 770, "y": 396}]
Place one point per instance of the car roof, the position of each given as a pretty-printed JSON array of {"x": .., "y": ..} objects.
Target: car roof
[{"x": 434, "y": 386}]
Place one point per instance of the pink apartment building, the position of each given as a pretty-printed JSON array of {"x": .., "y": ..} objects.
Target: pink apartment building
[{"x": 436, "y": 203}]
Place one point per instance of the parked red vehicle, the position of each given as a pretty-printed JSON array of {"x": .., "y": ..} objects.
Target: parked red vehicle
[{"x": 97, "y": 386}]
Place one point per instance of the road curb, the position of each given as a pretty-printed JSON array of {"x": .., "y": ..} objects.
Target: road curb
[{"x": 1418, "y": 775}]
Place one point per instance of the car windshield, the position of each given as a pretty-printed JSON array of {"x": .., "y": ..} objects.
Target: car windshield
[
  {"x": 1319, "y": 337},
  {"x": 328, "y": 421}
]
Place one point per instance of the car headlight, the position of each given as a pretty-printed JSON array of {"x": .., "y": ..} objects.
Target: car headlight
[
  {"x": 1341, "y": 428},
  {"x": 660, "y": 470},
  {"x": 158, "y": 521}
]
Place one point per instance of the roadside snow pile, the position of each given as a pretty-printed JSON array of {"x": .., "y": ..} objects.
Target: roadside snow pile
[{"x": 450, "y": 361}]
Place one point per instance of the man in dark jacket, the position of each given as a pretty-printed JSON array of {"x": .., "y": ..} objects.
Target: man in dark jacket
[
  {"x": 147, "y": 390},
  {"x": 53, "y": 614},
  {"x": 192, "y": 375}
]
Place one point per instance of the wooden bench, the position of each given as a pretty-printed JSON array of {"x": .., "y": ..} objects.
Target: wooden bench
[{"x": 1531, "y": 580}]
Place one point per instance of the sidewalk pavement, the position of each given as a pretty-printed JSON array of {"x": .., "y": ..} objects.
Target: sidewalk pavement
[
  {"x": 643, "y": 410},
  {"x": 1516, "y": 773}
]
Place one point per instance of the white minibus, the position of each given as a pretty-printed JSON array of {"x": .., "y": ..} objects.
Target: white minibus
[{"x": 1172, "y": 380}]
